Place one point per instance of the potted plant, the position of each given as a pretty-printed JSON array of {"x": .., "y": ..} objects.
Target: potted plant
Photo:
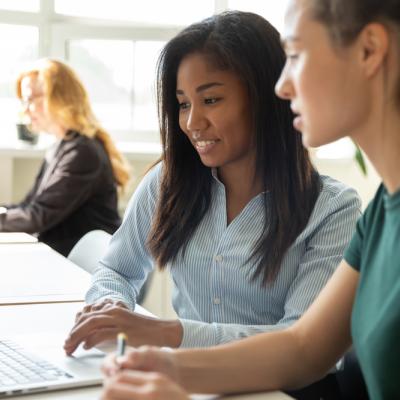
[
  {"x": 358, "y": 156},
  {"x": 23, "y": 130}
]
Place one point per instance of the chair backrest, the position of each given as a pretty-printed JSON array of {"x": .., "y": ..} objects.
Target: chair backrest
[{"x": 89, "y": 250}]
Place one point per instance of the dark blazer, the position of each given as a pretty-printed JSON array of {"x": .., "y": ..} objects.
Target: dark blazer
[{"x": 74, "y": 193}]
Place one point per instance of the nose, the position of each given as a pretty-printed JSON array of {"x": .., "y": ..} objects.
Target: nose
[
  {"x": 27, "y": 107},
  {"x": 196, "y": 120},
  {"x": 284, "y": 87}
]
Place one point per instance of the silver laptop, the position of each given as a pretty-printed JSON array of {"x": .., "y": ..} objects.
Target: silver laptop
[{"x": 39, "y": 367}]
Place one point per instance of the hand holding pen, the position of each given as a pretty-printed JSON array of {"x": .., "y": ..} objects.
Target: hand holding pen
[{"x": 121, "y": 344}]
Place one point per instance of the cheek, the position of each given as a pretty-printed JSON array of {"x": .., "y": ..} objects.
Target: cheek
[
  {"x": 38, "y": 110},
  {"x": 182, "y": 120}
]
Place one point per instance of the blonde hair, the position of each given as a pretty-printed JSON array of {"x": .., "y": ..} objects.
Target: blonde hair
[{"x": 68, "y": 103}]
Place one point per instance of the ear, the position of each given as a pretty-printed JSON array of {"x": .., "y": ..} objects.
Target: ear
[{"x": 374, "y": 41}]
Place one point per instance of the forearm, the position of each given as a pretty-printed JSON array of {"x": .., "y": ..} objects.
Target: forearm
[
  {"x": 287, "y": 359},
  {"x": 263, "y": 362},
  {"x": 21, "y": 219},
  {"x": 201, "y": 334},
  {"x": 107, "y": 283}
]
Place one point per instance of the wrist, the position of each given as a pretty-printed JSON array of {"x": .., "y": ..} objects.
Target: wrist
[{"x": 172, "y": 333}]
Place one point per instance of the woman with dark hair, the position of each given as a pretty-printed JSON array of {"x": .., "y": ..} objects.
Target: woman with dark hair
[
  {"x": 342, "y": 77},
  {"x": 249, "y": 230}
]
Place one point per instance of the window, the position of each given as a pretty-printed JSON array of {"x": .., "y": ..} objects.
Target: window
[
  {"x": 113, "y": 46},
  {"x": 273, "y": 11},
  {"x": 171, "y": 12},
  {"x": 121, "y": 90},
  {"x": 20, "y": 43},
  {"x": 20, "y": 5}
]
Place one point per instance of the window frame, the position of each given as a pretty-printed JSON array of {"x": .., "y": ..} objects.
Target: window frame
[{"x": 55, "y": 30}]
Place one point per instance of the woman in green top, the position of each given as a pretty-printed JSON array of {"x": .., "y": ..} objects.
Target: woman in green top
[{"x": 342, "y": 77}]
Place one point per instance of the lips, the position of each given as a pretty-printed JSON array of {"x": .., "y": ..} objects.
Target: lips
[{"x": 205, "y": 146}]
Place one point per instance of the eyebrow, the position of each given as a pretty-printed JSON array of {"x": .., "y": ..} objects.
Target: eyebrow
[{"x": 201, "y": 88}]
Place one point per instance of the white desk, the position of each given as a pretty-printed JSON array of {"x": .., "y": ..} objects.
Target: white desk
[
  {"x": 34, "y": 273},
  {"x": 55, "y": 320}
]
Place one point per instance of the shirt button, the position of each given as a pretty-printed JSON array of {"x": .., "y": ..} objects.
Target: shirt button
[
  {"x": 218, "y": 258},
  {"x": 217, "y": 300}
]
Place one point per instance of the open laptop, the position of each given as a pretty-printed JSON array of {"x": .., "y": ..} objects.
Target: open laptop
[
  {"x": 58, "y": 370},
  {"x": 35, "y": 364}
]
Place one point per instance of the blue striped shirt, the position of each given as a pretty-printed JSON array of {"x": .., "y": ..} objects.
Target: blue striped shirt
[{"x": 212, "y": 294}]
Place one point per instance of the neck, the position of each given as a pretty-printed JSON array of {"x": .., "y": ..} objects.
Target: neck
[
  {"x": 240, "y": 180},
  {"x": 380, "y": 140},
  {"x": 58, "y": 131}
]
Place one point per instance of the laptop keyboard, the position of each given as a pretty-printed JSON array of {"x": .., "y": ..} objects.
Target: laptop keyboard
[{"x": 18, "y": 367}]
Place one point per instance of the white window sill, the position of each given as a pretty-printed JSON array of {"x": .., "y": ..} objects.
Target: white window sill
[{"x": 131, "y": 150}]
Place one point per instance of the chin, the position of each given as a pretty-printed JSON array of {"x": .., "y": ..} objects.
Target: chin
[
  {"x": 34, "y": 129},
  {"x": 210, "y": 163},
  {"x": 314, "y": 140}
]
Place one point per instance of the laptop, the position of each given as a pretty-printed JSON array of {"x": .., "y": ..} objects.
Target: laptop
[{"x": 35, "y": 364}]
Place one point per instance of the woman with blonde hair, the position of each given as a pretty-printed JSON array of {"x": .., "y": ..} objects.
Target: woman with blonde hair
[{"x": 76, "y": 188}]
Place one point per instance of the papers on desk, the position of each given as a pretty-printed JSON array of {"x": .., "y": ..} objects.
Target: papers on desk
[
  {"x": 34, "y": 273},
  {"x": 16, "y": 237}
]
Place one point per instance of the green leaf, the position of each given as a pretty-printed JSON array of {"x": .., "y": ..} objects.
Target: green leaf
[{"x": 360, "y": 160}]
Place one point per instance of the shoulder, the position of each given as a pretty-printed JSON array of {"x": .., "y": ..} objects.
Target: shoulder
[
  {"x": 143, "y": 202},
  {"x": 335, "y": 195},
  {"x": 374, "y": 209},
  {"x": 152, "y": 179},
  {"x": 337, "y": 208},
  {"x": 82, "y": 150},
  {"x": 149, "y": 186}
]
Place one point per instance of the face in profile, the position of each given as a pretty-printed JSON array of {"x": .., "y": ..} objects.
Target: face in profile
[
  {"x": 32, "y": 98},
  {"x": 214, "y": 112},
  {"x": 324, "y": 82}
]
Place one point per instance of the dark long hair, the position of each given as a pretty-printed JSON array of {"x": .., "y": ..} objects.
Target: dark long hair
[{"x": 248, "y": 45}]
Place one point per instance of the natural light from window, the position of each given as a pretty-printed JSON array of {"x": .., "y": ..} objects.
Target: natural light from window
[
  {"x": 272, "y": 10},
  {"x": 170, "y": 12},
  {"x": 114, "y": 46},
  {"x": 20, "y": 5},
  {"x": 20, "y": 44},
  {"x": 122, "y": 88}
]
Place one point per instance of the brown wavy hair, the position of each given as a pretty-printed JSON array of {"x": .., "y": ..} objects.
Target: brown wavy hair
[{"x": 68, "y": 102}]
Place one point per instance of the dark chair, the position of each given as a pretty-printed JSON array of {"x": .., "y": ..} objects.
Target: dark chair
[
  {"x": 350, "y": 379},
  {"x": 347, "y": 384},
  {"x": 325, "y": 389}
]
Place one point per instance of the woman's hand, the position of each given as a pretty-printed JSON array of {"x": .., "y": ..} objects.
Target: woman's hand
[
  {"x": 145, "y": 358},
  {"x": 136, "y": 385},
  {"x": 124, "y": 380},
  {"x": 99, "y": 323},
  {"x": 103, "y": 305}
]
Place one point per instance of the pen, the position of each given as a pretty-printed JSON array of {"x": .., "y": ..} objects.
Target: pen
[{"x": 121, "y": 344}]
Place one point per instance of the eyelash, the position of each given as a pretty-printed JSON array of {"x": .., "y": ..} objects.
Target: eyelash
[
  {"x": 207, "y": 101},
  {"x": 183, "y": 106}
]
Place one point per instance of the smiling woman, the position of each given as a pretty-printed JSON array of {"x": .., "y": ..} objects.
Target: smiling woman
[
  {"x": 360, "y": 303},
  {"x": 250, "y": 231},
  {"x": 215, "y": 116}
]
